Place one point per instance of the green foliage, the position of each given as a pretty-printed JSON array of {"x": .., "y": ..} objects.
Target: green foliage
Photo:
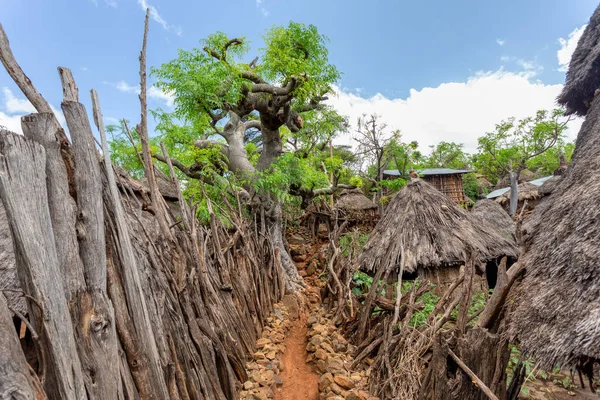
[
  {"x": 447, "y": 155},
  {"x": 547, "y": 162},
  {"x": 294, "y": 50},
  {"x": 472, "y": 188},
  {"x": 514, "y": 143},
  {"x": 352, "y": 242},
  {"x": 403, "y": 156},
  {"x": 286, "y": 171},
  {"x": 429, "y": 299},
  {"x": 201, "y": 82},
  {"x": 362, "y": 283},
  {"x": 393, "y": 184},
  {"x": 122, "y": 152}
]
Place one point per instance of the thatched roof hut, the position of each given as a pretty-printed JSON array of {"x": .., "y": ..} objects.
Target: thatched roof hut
[
  {"x": 557, "y": 311},
  {"x": 548, "y": 187},
  {"x": 354, "y": 200},
  {"x": 424, "y": 228},
  {"x": 494, "y": 215},
  {"x": 526, "y": 191},
  {"x": 583, "y": 77}
]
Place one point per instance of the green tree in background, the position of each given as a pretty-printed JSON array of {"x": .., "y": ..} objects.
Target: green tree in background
[
  {"x": 238, "y": 121},
  {"x": 447, "y": 155},
  {"x": 513, "y": 144}
]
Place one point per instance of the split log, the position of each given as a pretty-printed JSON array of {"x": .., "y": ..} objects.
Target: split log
[
  {"x": 16, "y": 382},
  {"x": 23, "y": 191},
  {"x": 131, "y": 311},
  {"x": 92, "y": 311},
  {"x": 472, "y": 375},
  {"x": 42, "y": 129}
]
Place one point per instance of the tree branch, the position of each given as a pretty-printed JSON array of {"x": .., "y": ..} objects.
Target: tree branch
[{"x": 176, "y": 163}]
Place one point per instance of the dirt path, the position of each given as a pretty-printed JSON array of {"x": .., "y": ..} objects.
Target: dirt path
[{"x": 299, "y": 381}]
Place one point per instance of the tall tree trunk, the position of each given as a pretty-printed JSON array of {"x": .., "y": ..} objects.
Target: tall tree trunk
[{"x": 514, "y": 192}]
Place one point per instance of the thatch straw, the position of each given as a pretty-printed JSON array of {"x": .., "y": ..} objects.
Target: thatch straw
[
  {"x": 354, "y": 200},
  {"x": 549, "y": 186},
  {"x": 583, "y": 77},
  {"x": 494, "y": 215},
  {"x": 526, "y": 191},
  {"x": 557, "y": 310},
  {"x": 423, "y": 227}
]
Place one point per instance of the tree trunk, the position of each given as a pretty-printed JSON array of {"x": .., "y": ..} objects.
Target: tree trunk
[
  {"x": 514, "y": 193},
  {"x": 484, "y": 353}
]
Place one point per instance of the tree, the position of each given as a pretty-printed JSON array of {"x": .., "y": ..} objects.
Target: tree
[
  {"x": 220, "y": 98},
  {"x": 512, "y": 145},
  {"x": 447, "y": 155}
]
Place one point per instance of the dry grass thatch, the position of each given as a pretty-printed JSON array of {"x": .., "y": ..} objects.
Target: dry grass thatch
[
  {"x": 422, "y": 227},
  {"x": 494, "y": 215},
  {"x": 353, "y": 200},
  {"x": 583, "y": 77},
  {"x": 527, "y": 191},
  {"x": 549, "y": 186},
  {"x": 557, "y": 311}
]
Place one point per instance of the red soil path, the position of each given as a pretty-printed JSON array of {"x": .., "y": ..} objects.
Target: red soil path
[{"x": 299, "y": 380}]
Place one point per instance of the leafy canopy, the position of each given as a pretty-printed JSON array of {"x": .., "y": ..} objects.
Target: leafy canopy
[
  {"x": 514, "y": 143},
  {"x": 218, "y": 75}
]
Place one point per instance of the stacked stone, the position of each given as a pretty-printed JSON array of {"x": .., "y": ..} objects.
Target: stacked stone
[
  {"x": 331, "y": 355},
  {"x": 263, "y": 370}
]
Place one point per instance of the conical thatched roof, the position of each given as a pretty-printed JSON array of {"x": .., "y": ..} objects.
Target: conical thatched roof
[
  {"x": 583, "y": 77},
  {"x": 355, "y": 201},
  {"x": 493, "y": 214},
  {"x": 424, "y": 227},
  {"x": 557, "y": 310},
  {"x": 548, "y": 187}
]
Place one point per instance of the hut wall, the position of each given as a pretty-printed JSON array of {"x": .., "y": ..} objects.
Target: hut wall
[{"x": 451, "y": 185}]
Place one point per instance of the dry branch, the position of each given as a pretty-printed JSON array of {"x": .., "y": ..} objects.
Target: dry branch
[{"x": 472, "y": 375}]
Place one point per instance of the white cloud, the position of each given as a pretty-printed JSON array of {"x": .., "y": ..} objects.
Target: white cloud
[
  {"x": 158, "y": 94},
  {"x": 13, "y": 108},
  {"x": 500, "y": 42},
  {"x": 127, "y": 88},
  {"x": 13, "y": 105},
  {"x": 111, "y": 3},
  {"x": 259, "y": 4},
  {"x": 153, "y": 92},
  {"x": 84, "y": 68},
  {"x": 567, "y": 48},
  {"x": 530, "y": 66},
  {"x": 455, "y": 111},
  {"x": 154, "y": 14}
]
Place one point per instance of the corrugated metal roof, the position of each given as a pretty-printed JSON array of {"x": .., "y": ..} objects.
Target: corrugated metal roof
[
  {"x": 500, "y": 192},
  {"x": 429, "y": 171}
]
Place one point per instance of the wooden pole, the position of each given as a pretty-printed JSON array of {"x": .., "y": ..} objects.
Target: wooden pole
[{"x": 474, "y": 377}]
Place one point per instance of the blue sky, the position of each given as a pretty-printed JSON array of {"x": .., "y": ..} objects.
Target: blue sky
[{"x": 437, "y": 70}]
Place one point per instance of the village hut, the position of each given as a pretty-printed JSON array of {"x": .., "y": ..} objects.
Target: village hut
[
  {"x": 556, "y": 314},
  {"x": 355, "y": 206},
  {"x": 429, "y": 236},
  {"x": 446, "y": 180},
  {"x": 492, "y": 214},
  {"x": 527, "y": 191},
  {"x": 449, "y": 182}
]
